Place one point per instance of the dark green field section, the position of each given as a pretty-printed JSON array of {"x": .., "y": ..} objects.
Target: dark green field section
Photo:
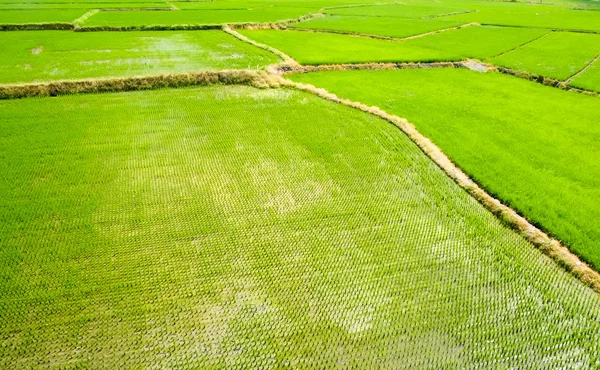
[
  {"x": 558, "y": 55},
  {"x": 533, "y": 146},
  {"x": 327, "y": 48},
  {"x": 34, "y": 56},
  {"x": 192, "y": 17},
  {"x": 380, "y": 26},
  {"x": 231, "y": 227}
]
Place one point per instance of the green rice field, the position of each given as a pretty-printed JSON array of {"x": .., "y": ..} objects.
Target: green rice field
[
  {"x": 558, "y": 55},
  {"x": 389, "y": 27},
  {"x": 326, "y": 48},
  {"x": 187, "y": 227},
  {"x": 59, "y": 55},
  {"x": 269, "y": 184},
  {"x": 524, "y": 142}
]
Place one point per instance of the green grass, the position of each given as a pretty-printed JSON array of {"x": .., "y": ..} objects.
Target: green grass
[
  {"x": 558, "y": 55},
  {"x": 193, "y": 17},
  {"x": 327, "y": 48},
  {"x": 40, "y": 16},
  {"x": 533, "y": 146},
  {"x": 380, "y": 26},
  {"x": 590, "y": 79},
  {"x": 229, "y": 227},
  {"x": 33, "y": 56},
  {"x": 526, "y": 15}
]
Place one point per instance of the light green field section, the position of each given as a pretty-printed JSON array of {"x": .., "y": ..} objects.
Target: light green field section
[
  {"x": 228, "y": 227},
  {"x": 414, "y": 10},
  {"x": 533, "y": 146},
  {"x": 527, "y": 15},
  {"x": 86, "y": 6},
  {"x": 589, "y": 79},
  {"x": 193, "y": 17},
  {"x": 33, "y": 56},
  {"x": 327, "y": 48},
  {"x": 390, "y": 27},
  {"x": 40, "y": 16},
  {"x": 557, "y": 55}
]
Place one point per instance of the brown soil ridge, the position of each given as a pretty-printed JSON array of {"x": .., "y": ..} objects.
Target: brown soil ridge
[
  {"x": 380, "y": 37},
  {"x": 549, "y": 246},
  {"x": 259, "y": 79},
  {"x": 285, "y": 69}
]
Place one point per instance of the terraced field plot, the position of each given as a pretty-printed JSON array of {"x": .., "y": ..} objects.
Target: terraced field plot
[
  {"x": 390, "y": 27},
  {"x": 192, "y": 17},
  {"x": 229, "y": 226},
  {"x": 533, "y": 146},
  {"x": 414, "y": 10},
  {"x": 324, "y": 48},
  {"x": 57, "y": 55},
  {"x": 558, "y": 55},
  {"x": 527, "y": 15}
]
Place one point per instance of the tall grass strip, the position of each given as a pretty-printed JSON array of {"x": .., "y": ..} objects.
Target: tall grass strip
[
  {"x": 259, "y": 79},
  {"x": 37, "y": 27},
  {"x": 551, "y": 247}
]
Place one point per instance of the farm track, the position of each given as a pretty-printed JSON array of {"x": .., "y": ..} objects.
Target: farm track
[{"x": 273, "y": 78}]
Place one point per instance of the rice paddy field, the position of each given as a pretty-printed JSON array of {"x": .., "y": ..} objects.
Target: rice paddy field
[{"x": 316, "y": 184}]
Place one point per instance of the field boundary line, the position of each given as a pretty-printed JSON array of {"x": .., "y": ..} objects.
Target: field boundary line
[
  {"x": 286, "y": 58},
  {"x": 563, "y": 85},
  {"x": 522, "y": 45},
  {"x": 555, "y": 29},
  {"x": 256, "y": 78},
  {"x": 174, "y": 27},
  {"x": 582, "y": 70},
  {"x": 57, "y": 26},
  {"x": 85, "y": 17},
  {"x": 285, "y": 69},
  {"x": 380, "y": 37},
  {"x": 546, "y": 244}
]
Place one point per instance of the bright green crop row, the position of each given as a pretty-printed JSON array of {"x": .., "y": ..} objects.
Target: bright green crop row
[
  {"x": 558, "y": 55},
  {"x": 380, "y": 26},
  {"x": 33, "y": 56},
  {"x": 533, "y": 146},
  {"x": 228, "y": 227},
  {"x": 326, "y": 48}
]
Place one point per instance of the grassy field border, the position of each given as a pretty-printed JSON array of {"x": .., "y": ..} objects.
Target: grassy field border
[{"x": 259, "y": 79}]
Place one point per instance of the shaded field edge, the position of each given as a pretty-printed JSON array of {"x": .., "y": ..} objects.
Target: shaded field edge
[
  {"x": 546, "y": 244},
  {"x": 259, "y": 79}
]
